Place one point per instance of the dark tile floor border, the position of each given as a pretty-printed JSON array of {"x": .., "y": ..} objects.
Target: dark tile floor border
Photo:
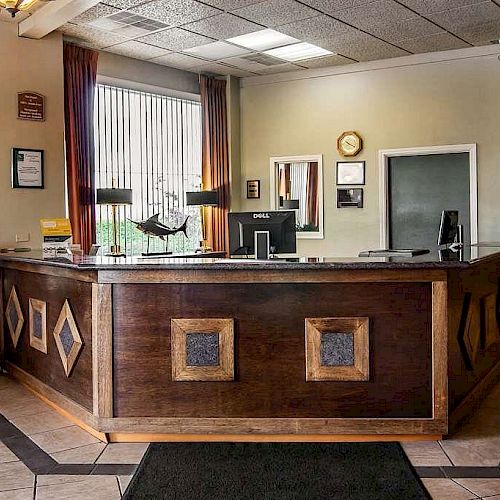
[
  {"x": 457, "y": 471},
  {"x": 40, "y": 462}
]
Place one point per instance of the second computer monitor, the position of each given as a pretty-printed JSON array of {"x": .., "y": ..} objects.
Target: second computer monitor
[
  {"x": 280, "y": 224},
  {"x": 448, "y": 227}
]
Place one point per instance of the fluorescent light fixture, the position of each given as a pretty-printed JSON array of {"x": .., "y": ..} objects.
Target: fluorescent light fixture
[
  {"x": 263, "y": 40},
  {"x": 298, "y": 52}
]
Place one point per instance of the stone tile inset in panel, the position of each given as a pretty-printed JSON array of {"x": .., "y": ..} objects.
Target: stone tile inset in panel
[
  {"x": 202, "y": 349},
  {"x": 68, "y": 340},
  {"x": 337, "y": 349}
]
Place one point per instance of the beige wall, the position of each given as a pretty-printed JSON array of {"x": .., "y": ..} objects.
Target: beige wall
[
  {"x": 30, "y": 65},
  {"x": 453, "y": 102}
]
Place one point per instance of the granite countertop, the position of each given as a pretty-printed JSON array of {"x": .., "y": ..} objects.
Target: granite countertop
[{"x": 470, "y": 256}]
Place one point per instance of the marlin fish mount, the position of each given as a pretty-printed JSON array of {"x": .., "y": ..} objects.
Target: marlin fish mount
[{"x": 153, "y": 227}]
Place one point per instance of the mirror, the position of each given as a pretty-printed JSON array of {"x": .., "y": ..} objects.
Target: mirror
[{"x": 297, "y": 184}]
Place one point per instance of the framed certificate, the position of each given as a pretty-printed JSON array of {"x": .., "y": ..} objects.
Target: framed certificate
[
  {"x": 27, "y": 168},
  {"x": 350, "y": 173}
]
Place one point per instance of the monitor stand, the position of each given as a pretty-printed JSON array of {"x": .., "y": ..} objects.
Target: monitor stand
[
  {"x": 459, "y": 243},
  {"x": 262, "y": 243}
]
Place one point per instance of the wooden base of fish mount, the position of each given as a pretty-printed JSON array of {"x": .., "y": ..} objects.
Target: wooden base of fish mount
[{"x": 149, "y": 254}]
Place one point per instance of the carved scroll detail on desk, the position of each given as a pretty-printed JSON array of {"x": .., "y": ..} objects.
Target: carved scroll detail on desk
[
  {"x": 337, "y": 349},
  {"x": 14, "y": 315},
  {"x": 38, "y": 324},
  {"x": 68, "y": 340},
  {"x": 202, "y": 349}
]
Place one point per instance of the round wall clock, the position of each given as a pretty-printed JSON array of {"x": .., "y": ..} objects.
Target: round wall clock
[{"x": 349, "y": 144}]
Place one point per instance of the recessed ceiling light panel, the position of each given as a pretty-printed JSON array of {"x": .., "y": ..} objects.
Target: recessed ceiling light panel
[
  {"x": 298, "y": 52},
  {"x": 263, "y": 40}
]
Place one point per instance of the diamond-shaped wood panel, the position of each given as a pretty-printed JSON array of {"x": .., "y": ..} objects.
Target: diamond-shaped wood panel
[
  {"x": 14, "y": 315},
  {"x": 68, "y": 340},
  {"x": 38, "y": 324}
]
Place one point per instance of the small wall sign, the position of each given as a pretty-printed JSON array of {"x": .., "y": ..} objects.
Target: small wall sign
[
  {"x": 253, "y": 189},
  {"x": 31, "y": 106},
  {"x": 27, "y": 168}
]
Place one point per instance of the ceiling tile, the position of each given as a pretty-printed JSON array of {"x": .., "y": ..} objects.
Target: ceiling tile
[
  {"x": 362, "y": 47},
  {"x": 223, "y": 26},
  {"x": 481, "y": 34},
  {"x": 222, "y": 69},
  {"x": 97, "y": 11},
  {"x": 216, "y": 50},
  {"x": 125, "y": 4},
  {"x": 433, "y": 43},
  {"x": 403, "y": 30},
  {"x": 177, "y": 60},
  {"x": 91, "y": 36},
  {"x": 375, "y": 13},
  {"x": 137, "y": 50},
  {"x": 430, "y": 6},
  {"x": 279, "y": 68},
  {"x": 276, "y": 12},
  {"x": 315, "y": 28},
  {"x": 332, "y": 6},
  {"x": 243, "y": 63},
  {"x": 230, "y": 4},
  {"x": 175, "y": 39},
  {"x": 467, "y": 18},
  {"x": 323, "y": 62},
  {"x": 175, "y": 12}
]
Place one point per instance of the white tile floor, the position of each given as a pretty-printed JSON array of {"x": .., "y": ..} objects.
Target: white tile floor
[{"x": 477, "y": 444}]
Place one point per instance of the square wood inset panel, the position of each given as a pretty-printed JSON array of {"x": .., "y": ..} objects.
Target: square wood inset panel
[
  {"x": 38, "y": 324},
  {"x": 337, "y": 349},
  {"x": 202, "y": 349}
]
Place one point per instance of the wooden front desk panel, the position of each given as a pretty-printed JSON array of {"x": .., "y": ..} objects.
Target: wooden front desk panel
[{"x": 270, "y": 377}]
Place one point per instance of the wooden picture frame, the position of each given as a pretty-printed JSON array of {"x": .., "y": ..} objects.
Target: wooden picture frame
[
  {"x": 358, "y": 327},
  {"x": 27, "y": 168},
  {"x": 253, "y": 189},
  {"x": 350, "y": 173},
  {"x": 223, "y": 370},
  {"x": 38, "y": 342}
]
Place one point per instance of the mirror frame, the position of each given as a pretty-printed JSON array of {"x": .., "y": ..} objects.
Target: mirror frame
[{"x": 301, "y": 235}]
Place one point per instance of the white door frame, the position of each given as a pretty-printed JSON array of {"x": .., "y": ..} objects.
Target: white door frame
[{"x": 383, "y": 161}]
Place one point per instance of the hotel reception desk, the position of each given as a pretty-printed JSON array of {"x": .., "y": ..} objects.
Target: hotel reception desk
[{"x": 206, "y": 349}]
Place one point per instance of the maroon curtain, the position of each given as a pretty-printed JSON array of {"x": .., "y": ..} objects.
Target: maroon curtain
[
  {"x": 312, "y": 212},
  {"x": 80, "y": 70},
  {"x": 215, "y": 159}
]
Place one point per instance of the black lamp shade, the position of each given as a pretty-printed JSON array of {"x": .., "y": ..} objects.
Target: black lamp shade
[
  {"x": 291, "y": 204},
  {"x": 114, "y": 196},
  {"x": 202, "y": 198}
]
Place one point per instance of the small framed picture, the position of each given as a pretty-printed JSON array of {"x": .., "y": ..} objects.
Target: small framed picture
[
  {"x": 350, "y": 173},
  {"x": 253, "y": 189},
  {"x": 27, "y": 168},
  {"x": 350, "y": 197}
]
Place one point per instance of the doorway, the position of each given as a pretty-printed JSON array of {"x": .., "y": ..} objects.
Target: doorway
[{"x": 417, "y": 184}]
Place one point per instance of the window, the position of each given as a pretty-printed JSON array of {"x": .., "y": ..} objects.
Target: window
[{"x": 152, "y": 144}]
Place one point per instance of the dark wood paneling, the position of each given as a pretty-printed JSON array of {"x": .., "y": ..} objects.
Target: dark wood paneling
[
  {"x": 270, "y": 350},
  {"x": 48, "y": 367},
  {"x": 470, "y": 287}
]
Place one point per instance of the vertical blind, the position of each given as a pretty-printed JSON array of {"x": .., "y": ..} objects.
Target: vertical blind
[{"x": 152, "y": 144}]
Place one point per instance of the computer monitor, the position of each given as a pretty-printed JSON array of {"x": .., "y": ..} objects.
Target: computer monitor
[
  {"x": 448, "y": 227},
  {"x": 280, "y": 224}
]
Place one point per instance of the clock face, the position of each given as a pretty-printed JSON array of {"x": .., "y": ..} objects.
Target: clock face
[{"x": 349, "y": 144}]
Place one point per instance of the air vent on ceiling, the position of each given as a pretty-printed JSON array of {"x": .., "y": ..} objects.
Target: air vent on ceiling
[
  {"x": 263, "y": 59},
  {"x": 128, "y": 24}
]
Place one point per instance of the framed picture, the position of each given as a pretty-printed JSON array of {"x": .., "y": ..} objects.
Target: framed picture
[
  {"x": 350, "y": 197},
  {"x": 253, "y": 189},
  {"x": 350, "y": 173},
  {"x": 27, "y": 168}
]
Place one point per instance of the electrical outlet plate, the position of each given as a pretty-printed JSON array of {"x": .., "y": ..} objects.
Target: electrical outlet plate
[{"x": 22, "y": 237}]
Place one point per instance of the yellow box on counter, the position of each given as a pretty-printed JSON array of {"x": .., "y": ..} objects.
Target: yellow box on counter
[{"x": 55, "y": 227}]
